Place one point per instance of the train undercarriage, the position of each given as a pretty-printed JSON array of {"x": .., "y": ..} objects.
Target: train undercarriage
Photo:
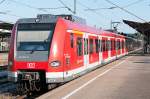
[{"x": 31, "y": 81}]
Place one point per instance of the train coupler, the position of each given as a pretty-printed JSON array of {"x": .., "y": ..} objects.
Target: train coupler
[{"x": 28, "y": 82}]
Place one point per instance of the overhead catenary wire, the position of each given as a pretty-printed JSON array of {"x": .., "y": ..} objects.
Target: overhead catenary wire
[
  {"x": 113, "y": 7},
  {"x": 65, "y": 6},
  {"x": 13, "y": 15},
  {"x": 78, "y": 3},
  {"x": 20, "y": 3},
  {"x": 27, "y": 5},
  {"x": 125, "y": 10},
  {"x": 5, "y": 13},
  {"x": 54, "y": 8},
  {"x": 2, "y": 1},
  {"x": 99, "y": 14},
  {"x": 1, "y": 21},
  {"x": 8, "y": 14},
  {"x": 133, "y": 3}
]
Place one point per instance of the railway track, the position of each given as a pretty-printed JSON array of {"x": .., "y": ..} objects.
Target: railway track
[
  {"x": 8, "y": 91},
  {"x": 3, "y": 74},
  {"x": 3, "y": 77}
]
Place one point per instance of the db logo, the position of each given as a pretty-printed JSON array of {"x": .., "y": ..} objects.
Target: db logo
[{"x": 30, "y": 65}]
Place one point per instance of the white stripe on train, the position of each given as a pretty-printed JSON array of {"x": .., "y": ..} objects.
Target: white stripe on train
[{"x": 75, "y": 71}]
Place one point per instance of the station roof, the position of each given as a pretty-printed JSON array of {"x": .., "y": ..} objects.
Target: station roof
[
  {"x": 143, "y": 28},
  {"x": 7, "y": 26}
]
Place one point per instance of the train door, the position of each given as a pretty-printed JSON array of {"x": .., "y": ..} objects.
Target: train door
[
  {"x": 93, "y": 50},
  {"x": 104, "y": 48},
  {"x": 113, "y": 47},
  {"x": 123, "y": 43},
  {"x": 111, "y": 40},
  {"x": 109, "y": 47},
  {"x": 79, "y": 51},
  {"x": 86, "y": 53},
  {"x": 100, "y": 49},
  {"x": 118, "y": 46}
]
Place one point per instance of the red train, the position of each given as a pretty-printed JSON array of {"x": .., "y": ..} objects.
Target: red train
[{"x": 53, "y": 49}]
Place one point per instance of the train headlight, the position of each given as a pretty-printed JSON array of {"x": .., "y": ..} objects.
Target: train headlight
[{"x": 55, "y": 63}]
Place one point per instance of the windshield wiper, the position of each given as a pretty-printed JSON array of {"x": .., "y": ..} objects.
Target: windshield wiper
[{"x": 32, "y": 51}]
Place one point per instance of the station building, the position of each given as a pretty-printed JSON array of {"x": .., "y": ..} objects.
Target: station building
[{"x": 5, "y": 33}]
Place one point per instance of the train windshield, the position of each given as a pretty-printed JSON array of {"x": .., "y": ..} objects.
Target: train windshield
[{"x": 34, "y": 37}]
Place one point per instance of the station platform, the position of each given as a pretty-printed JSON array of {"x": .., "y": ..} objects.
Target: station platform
[{"x": 126, "y": 78}]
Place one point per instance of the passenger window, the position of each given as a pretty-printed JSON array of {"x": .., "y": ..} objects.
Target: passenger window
[
  {"x": 122, "y": 44},
  {"x": 85, "y": 46},
  {"x": 71, "y": 40},
  {"x": 103, "y": 47},
  {"x": 106, "y": 45},
  {"x": 91, "y": 46},
  {"x": 79, "y": 46},
  {"x": 118, "y": 44},
  {"x": 97, "y": 45},
  {"x": 112, "y": 45}
]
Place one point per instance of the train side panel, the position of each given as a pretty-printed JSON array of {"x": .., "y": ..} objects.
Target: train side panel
[
  {"x": 12, "y": 76},
  {"x": 73, "y": 54},
  {"x": 56, "y": 73}
]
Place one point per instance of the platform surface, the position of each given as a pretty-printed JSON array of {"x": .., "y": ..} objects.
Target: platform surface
[{"x": 126, "y": 78}]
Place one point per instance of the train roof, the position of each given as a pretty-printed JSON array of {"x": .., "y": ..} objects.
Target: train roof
[
  {"x": 73, "y": 22},
  {"x": 89, "y": 29},
  {"x": 49, "y": 18}
]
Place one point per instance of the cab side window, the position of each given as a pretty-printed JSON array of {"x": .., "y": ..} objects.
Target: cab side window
[{"x": 71, "y": 40}]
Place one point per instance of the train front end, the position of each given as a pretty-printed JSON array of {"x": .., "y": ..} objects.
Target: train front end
[{"x": 29, "y": 51}]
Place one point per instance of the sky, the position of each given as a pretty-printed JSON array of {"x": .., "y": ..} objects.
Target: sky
[{"x": 12, "y": 10}]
